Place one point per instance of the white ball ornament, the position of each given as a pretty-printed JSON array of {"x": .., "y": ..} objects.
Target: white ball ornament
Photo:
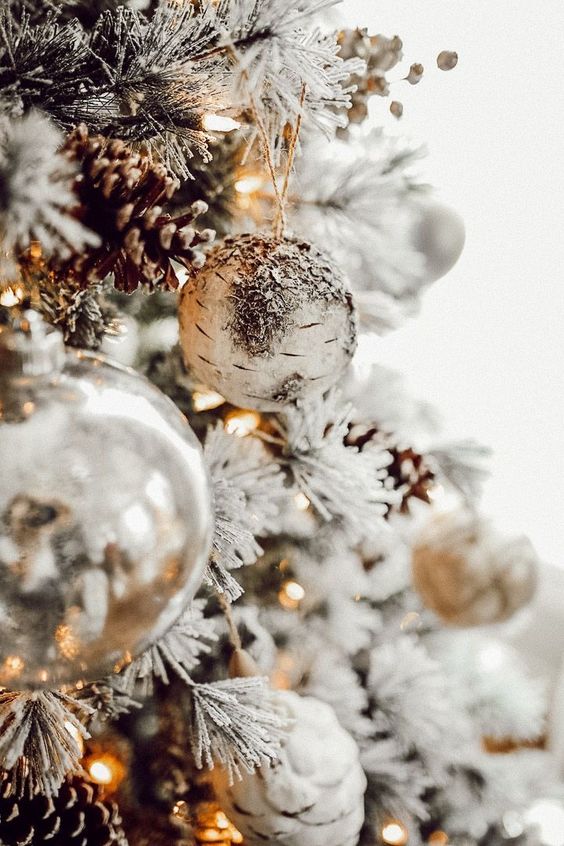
[
  {"x": 267, "y": 321},
  {"x": 439, "y": 234},
  {"x": 105, "y": 511},
  {"x": 469, "y": 574},
  {"x": 314, "y": 793}
]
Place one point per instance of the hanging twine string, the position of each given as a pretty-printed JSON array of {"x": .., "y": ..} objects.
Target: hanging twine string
[
  {"x": 234, "y": 636},
  {"x": 280, "y": 219}
]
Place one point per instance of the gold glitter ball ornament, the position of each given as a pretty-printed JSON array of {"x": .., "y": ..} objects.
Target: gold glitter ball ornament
[
  {"x": 267, "y": 321},
  {"x": 470, "y": 575}
]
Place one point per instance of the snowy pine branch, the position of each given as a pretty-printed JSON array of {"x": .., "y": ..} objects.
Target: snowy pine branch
[
  {"x": 39, "y": 739},
  {"x": 247, "y": 484},
  {"x": 340, "y": 482},
  {"x": 234, "y": 725},
  {"x": 179, "y": 651}
]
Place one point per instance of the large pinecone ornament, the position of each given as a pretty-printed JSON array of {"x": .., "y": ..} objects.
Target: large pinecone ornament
[
  {"x": 267, "y": 321},
  {"x": 120, "y": 197},
  {"x": 470, "y": 575},
  {"x": 313, "y": 794},
  {"x": 77, "y": 816}
]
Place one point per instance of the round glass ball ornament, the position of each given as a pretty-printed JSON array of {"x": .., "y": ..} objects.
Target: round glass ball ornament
[
  {"x": 439, "y": 235},
  {"x": 267, "y": 321},
  {"x": 105, "y": 511}
]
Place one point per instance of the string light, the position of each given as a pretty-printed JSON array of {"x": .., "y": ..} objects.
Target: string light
[
  {"x": 249, "y": 184},
  {"x": 220, "y": 123},
  {"x": 301, "y": 501},
  {"x": 213, "y": 826},
  {"x": 106, "y": 770},
  {"x": 11, "y": 297},
  {"x": 206, "y": 400},
  {"x": 438, "y": 838},
  {"x": 12, "y": 667},
  {"x": 242, "y": 422},
  {"x": 290, "y": 595},
  {"x": 394, "y": 833}
]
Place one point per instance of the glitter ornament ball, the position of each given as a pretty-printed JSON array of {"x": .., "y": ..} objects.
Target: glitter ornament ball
[
  {"x": 469, "y": 574},
  {"x": 313, "y": 794},
  {"x": 105, "y": 511},
  {"x": 266, "y": 322}
]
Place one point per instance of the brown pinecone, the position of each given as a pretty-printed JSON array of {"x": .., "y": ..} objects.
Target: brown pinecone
[
  {"x": 408, "y": 471},
  {"x": 120, "y": 196},
  {"x": 77, "y": 816},
  {"x": 381, "y": 54}
]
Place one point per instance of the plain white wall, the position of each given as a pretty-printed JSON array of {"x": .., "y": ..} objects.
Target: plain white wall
[{"x": 488, "y": 348}]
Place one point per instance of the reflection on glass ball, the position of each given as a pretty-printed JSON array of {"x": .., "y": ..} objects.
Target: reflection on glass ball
[{"x": 105, "y": 520}]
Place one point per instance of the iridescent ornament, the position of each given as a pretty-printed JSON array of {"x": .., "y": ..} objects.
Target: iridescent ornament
[
  {"x": 105, "y": 511},
  {"x": 267, "y": 321},
  {"x": 313, "y": 794}
]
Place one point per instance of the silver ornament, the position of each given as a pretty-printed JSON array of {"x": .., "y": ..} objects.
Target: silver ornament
[
  {"x": 105, "y": 511},
  {"x": 313, "y": 794},
  {"x": 470, "y": 575},
  {"x": 266, "y": 322},
  {"x": 439, "y": 234}
]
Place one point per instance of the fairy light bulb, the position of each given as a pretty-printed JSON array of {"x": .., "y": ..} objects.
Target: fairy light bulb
[
  {"x": 220, "y": 123},
  {"x": 394, "y": 833},
  {"x": 301, "y": 502},
  {"x": 291, "y": 594},
  {"x": 249, "y": 184},
  {"x": 438, "y": 838},
  {"x": 11, "y": 297},
  {"x": 100, "y": 772},
  {"x": 206, "y": 400},
  {"x": 242, "y": 422}
]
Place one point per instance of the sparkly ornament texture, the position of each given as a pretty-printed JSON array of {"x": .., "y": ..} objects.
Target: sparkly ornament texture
[
  {"x": 105, "y": 513},
  {"x": 267, "y": 322},
  {"x": 313, "y": 794},
  {"x": 469, "y": 574}
]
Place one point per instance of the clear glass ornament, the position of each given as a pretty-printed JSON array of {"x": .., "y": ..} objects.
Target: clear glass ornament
[{"x": 105, "y": 511}]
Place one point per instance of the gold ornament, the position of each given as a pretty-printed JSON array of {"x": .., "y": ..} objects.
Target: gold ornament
[{"x": 468, "y": 574}]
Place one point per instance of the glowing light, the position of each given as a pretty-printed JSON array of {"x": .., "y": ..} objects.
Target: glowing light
[
  {"x": 100, "y": 772},
  {"x": 438, "y": 838},
  {"x": 106, "y": 770},
  {"x": 394, "y": 833},
  {"x": 220, "y": 123},
  {"x": 492, "y": 656},
  {"x": 242, "y": 422},
  {"x": 410, "y": 621},
  {"x": 513, "y": 824},
  {"x": 11, "y": 297},
  {"x": 249, "y": 184},
  {"x": 301, "y": 502},
  {"x": 290, "y": 595},
  {"x": 28, "y": 408},
  {"x": 215, "y": 827},
  {"x": 67, "y": 642},
  {"x": 12, "y": 668},
  {"x": 548, "y": 816},
  {"x": 206, "y": 400}
]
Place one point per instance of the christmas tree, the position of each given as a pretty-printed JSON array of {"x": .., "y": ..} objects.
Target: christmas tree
[{"x": 247, "y": 593}]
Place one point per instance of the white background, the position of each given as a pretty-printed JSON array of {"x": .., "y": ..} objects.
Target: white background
[{"x": 488, "y": 348}]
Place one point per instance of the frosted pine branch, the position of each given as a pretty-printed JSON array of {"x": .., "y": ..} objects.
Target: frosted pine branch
[
  {"x": 39, "y": 742},
  {"x": 340, "y": 482},
  {"x": 234, "y": 725},
  {"x": 178, "y": 651},
  {"x": 247, "y": 487},
  {"x": 36, "y": 193}
]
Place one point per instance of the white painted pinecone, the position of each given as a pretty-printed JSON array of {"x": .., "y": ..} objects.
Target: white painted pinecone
[
  {"x": 267, "y": 322},
  {"x": 469, "y": 574},
  {"x": 313, "y": 795}
]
